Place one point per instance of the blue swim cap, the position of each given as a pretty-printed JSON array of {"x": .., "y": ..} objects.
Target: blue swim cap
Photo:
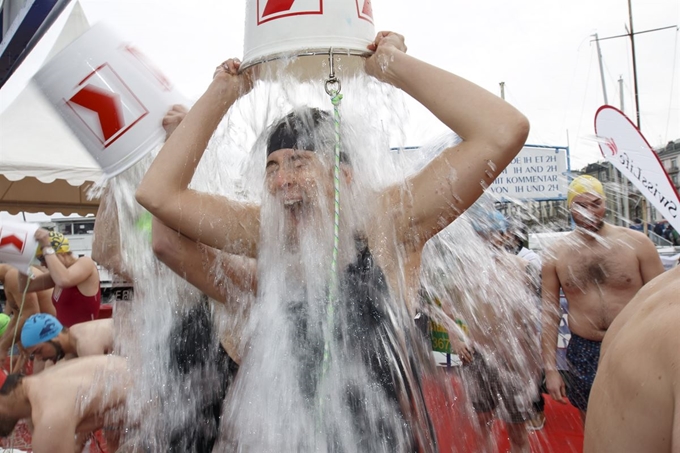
[
  {"x": 490, "y": 222},
  {"x": 39, "y": 328}
]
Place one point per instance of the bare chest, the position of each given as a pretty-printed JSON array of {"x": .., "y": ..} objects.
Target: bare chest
[{"x": 598, "y": 267}]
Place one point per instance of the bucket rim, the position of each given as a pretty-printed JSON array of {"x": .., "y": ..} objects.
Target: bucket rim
[{"x": 310, "y": 52}]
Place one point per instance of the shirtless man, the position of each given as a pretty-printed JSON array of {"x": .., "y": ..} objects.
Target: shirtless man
[
  {"x": 499, "y": 301},
  {"x": 44, "y": 337},
  {"x": 379, "y": 255},
  {"x": 191, "y": 340},
  {"x": 225, "y": 278},
  {"x": 78, "y": 396},
  {"x": 435, "y": 198},
  {"x": 635, "y": 401},
  {"x": 599, "y": 267},
  {"x": 33, "y": 303}
]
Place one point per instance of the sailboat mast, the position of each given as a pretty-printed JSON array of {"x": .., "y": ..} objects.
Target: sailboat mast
[
  {"x": 632, "y": 45},
  {"x": 599, "y": 59}
]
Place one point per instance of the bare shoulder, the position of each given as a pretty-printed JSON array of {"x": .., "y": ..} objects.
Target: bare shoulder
[
  {"x": 555, "y": 251},
  {"x": 652, "y": 319},
  {"x": 95, "y": 325},
  {"x": 652, "y": 310},
  {"x": 4, "y": 268},
  {"x": 662, "y": 329},
  {"x": 517, "y": 262},
  {"x": 93, "y": 337},
  {"x": 632, "y": 237},
  {"x": 104, "y": 323},
  {"x": 12, "y": 280},
  {"x": 664, "y": 294},
  {"x": 89, "y": 261}
]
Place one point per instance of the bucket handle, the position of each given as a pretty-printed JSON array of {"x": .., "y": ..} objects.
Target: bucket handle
[{"x": 332, "y": 85}]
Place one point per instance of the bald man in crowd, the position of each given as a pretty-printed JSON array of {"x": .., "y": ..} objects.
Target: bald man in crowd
[
  {"x": 99, "y": 385},
  {"x": 635, "y": 402},
  {"x": 599, "y": 267}
]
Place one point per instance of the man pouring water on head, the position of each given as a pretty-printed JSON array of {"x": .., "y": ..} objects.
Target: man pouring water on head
[{"x": 344, "y": 340}]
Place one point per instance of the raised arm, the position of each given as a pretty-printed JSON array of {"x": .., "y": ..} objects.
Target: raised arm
[
  {"x": 68, "y": 277},
  {"x": 30, "y": 304},
  {"x": 550, "y": 293},
  {"x": 164, "y": 191},
  {"x": 4, "y": 268},
  {"x": 37, "y": 283},
  {"x": 493, "y": 132},
  {"x": 106, "y": 242},
  {"x": 195, "y": 262}
]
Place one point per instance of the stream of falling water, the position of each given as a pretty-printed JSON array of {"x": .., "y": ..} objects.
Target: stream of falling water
[{"x": 366, "y": 395}]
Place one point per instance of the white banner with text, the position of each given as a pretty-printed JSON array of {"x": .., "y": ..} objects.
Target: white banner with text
[{"x": 537, "y": 173}]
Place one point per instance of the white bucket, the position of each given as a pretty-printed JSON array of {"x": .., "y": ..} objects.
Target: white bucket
[
  {"x": 111, "y": 97},
  {"x": 277, "y": 30},
  {"x": 18, "y": 244}
]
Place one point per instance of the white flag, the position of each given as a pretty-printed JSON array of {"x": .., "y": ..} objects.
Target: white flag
[{"x": 622, "y": 144}]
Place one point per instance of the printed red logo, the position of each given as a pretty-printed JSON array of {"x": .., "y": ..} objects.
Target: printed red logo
[
  {"x": 12, "y": 242},
  {"x": 365, "y": 11},
  {"x": 268, "y": 10},
  {"x": 611, "y": 144},
  {"x": 105, "y": 105}
]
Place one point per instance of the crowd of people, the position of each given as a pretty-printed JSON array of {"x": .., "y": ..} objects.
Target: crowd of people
[
  {"x": 619, "y": 315},
  {"x": 662, "y": 229}
]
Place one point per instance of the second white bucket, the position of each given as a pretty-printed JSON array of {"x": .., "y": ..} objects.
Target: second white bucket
[
  {"x": 280, "y": 29},
  {"x": 111, "y": 97},
  {"x": 18, "y": 244}
]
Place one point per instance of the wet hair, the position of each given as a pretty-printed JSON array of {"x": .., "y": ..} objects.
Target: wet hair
[
  {"x": 7, "y": 420},
  {"x": 306, "y": 129}
]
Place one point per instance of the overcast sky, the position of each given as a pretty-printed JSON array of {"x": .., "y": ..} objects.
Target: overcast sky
[{"x": 541, "y": 49}]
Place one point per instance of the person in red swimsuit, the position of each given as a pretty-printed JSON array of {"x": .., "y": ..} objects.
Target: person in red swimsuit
[{"x": 76, "y": 294}]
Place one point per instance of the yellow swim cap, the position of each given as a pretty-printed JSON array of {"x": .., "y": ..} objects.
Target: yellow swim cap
[
  {"x": 58, "y": 242},
  {"x": 584, "y": 184}
]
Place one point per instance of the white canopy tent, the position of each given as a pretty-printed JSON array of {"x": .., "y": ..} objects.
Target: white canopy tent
[{"x": 43, "y": 166}]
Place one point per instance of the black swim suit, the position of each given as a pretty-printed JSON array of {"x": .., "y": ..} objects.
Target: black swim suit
[
  {"x": 366, "y": 334},
  {"x": 195, "y": 353},
  {"x": 582, "y": 356}
]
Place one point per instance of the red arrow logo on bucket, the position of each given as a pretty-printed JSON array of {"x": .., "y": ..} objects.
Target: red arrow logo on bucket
[
  {"x": 106, "y": 104},
  {"x": 277, "y": 6},
  {"x": 12, "y": 240},
  {"x": 367, "y": 9}
]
